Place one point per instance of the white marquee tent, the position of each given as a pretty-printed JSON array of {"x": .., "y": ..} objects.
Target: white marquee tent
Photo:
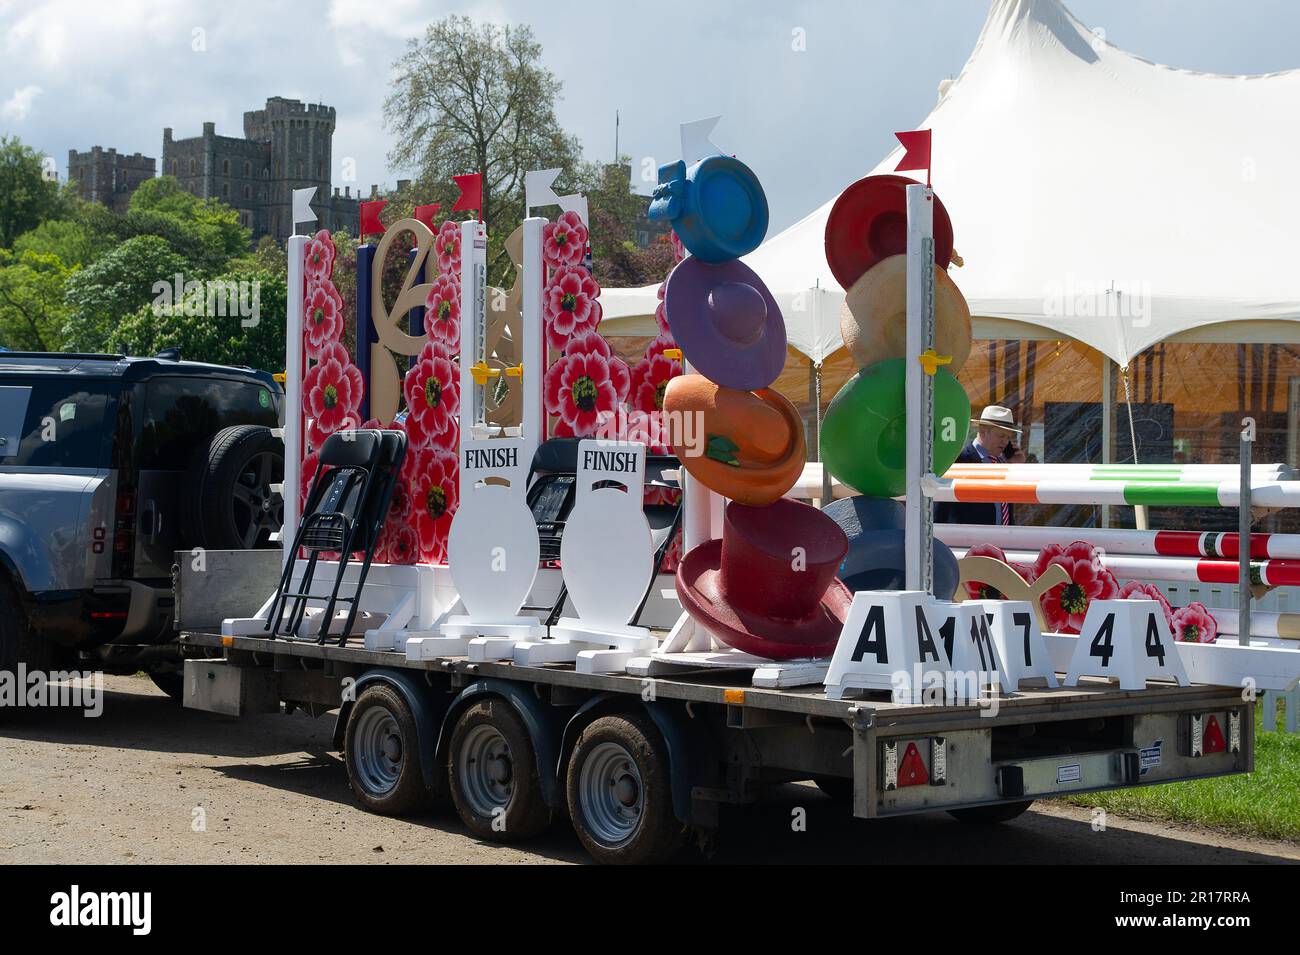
[{"x": 1094, "y": 194}]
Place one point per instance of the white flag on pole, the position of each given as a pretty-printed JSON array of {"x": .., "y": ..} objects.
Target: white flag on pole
[
  {"x": 696, "y": 144},
  {"x": 537, "y": 188},
  {"x": 302, "y": 211}
]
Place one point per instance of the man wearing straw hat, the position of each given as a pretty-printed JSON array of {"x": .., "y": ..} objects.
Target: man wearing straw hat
[{"x": 994, "y": 430}]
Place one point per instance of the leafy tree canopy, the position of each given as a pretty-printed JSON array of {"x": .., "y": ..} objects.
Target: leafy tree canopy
[
  {"x": 32, "y": 306},
  {"x": 27, "y": 198},
  {"x": 116, "y": 285},
  {"x": 197, "y": 327}
]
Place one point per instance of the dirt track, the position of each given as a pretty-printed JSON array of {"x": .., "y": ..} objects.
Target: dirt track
[{"x": 127, "y": 786}]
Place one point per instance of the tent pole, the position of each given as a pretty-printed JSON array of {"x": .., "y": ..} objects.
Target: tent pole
[{"x": 1107, "y": 412}]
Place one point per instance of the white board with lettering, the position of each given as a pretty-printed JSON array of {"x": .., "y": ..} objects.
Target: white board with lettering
[
  {"x": 889, "y": 642},
  {"x": 1126, "y": 640},
  {"x": 973, "y": 656},
  {"x": 1021, "y": 648},
  {"x": 492, "y": 548}
]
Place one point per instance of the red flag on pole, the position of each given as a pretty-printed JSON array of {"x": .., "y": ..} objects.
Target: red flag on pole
[
  {"x": 916, "y": 151},
  {"x": 370, "y": 223},
  {"x": 471, "y": 193},
  {"x": 425, "y": 214}
]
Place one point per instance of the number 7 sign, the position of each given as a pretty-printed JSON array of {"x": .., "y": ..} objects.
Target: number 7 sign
[{"x": 1020, "y": 644}]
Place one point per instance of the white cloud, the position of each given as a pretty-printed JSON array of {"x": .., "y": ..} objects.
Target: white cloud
[{"x": 17, "y": 107}]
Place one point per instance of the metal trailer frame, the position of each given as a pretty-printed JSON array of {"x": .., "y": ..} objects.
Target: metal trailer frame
[{"x": 726, "y": 738}]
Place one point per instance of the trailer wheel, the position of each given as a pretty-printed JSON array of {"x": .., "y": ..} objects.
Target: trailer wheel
[
  {"x": 492, "y": 769},
  {"x": 619, "y": 792},
  {"x": 984, "y": 815},
  {"x": 382, "y": 753}
]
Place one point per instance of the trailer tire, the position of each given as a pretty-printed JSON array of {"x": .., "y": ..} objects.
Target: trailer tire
[
  {"x": 988, "y": 815},
  {"x": 493, "y": 775},
  {"x": 619, "y": 789},
  {"x": 381, "y": 749}
]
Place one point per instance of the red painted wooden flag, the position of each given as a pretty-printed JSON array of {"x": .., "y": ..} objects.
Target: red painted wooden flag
[
  {"x": 370, "y": 223},
  {"x": 916, "y": 151},
  {"x": 425, "y": 214},
  {"x": 471, "y": 193}
]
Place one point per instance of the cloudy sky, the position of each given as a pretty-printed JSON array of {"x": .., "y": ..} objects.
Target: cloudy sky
[{"x": 810, "y": 92}]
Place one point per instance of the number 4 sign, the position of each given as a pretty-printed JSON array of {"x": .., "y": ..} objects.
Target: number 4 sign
[{"x": 1129, "y": 641}]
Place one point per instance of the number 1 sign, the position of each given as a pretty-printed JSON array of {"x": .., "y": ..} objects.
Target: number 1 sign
[
  {"x": 1014, "y": 628},
  {"x": 1126, "y": 640}
]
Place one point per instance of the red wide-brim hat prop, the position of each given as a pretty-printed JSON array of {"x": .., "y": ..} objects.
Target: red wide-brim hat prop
[
  {"x": 868, "y": 224},
  {"x": 768, "y": 587}
]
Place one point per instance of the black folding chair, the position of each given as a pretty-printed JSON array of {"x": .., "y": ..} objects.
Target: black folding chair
[
  {"x": 552, "y": 490},
  {"x": 344, "y": 514}
]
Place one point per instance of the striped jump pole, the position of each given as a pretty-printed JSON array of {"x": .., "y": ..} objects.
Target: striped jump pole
[
  {"x": 1121, "y": 541},
  {"x": 1162, "y": 493},
  {"x": 1118, "y": 472},
  {"x": 1203, "y": 570}
]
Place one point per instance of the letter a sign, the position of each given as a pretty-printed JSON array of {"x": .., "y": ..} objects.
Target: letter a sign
[{"x": 887, "y": 638}]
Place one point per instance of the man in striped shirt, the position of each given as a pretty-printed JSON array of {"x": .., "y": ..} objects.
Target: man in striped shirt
[{"x": 994, "y": 430}]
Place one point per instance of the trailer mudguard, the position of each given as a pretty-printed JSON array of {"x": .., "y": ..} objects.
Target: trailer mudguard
[
  {"x": 423, "y": 705},
  {"x": 669, "y": 725},
  {"x": 539, "y": 719}
]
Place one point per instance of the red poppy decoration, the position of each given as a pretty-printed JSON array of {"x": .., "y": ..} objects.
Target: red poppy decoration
[
  {"x": 569, "y": 305},
  {"x": 332, "y": 391},
  {"x": 322, "y": 317},
  {"x": 650, "y": 377},
  {"x": 432, "y": 389},
  {"x": 442, "y": 313},
  {"x": 398, "y": 544},
  {"x": 1134, "y": 590},
  {"x": 579, "y": 388},
  {"x": 318, "y": 266},
  {"x": 1195, "y": 624},
  {"x": 1066, "y": 605},
  {"x": 564, "y": 241},
  {"x": 446, "y": 247},
  {"x": 434, "y": 496}
]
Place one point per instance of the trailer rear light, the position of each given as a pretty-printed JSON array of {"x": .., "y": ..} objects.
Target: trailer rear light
[
  {"x": 1205, "y": 733},
  {"x": 902, "y": 763}
]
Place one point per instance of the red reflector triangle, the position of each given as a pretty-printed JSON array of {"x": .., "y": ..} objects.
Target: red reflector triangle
[
  {"x": 911, "y": 772},
  {"x": 1212, "y": 741}
]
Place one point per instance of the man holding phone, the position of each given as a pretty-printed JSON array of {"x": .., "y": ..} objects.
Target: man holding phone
[{"x": 994, "y": 430}]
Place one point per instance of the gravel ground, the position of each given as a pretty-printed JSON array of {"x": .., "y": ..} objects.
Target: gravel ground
[{"x": 147, "y": 782}]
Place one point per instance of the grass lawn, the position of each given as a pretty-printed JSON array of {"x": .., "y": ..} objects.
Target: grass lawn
[{"x": 1265, "y": 803}]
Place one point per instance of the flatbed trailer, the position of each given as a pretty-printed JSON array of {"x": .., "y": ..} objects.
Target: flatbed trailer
[{"x": 638, "y": 762}]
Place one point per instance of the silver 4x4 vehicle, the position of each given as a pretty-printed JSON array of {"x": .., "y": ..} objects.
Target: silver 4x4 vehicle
[{"x": 108, "y": 466}]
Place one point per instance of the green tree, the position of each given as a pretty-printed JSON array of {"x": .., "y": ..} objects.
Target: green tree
[
  {"x": 471, "y": 98},
  {"x": 69, "y": 239},
  {"x": 206, "y": 232},
  {"x": 205, "y": 330},
  {"x": 32, "y": 306},
  {"x": 27, "y": 198},
  {"x": 116, "y": 285}
]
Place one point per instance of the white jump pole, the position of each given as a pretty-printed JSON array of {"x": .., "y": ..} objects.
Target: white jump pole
[
  {"x": 531, "y": 356},
  {"x": 293, "y": 372},
  {"x": 919, "y": 386}
]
